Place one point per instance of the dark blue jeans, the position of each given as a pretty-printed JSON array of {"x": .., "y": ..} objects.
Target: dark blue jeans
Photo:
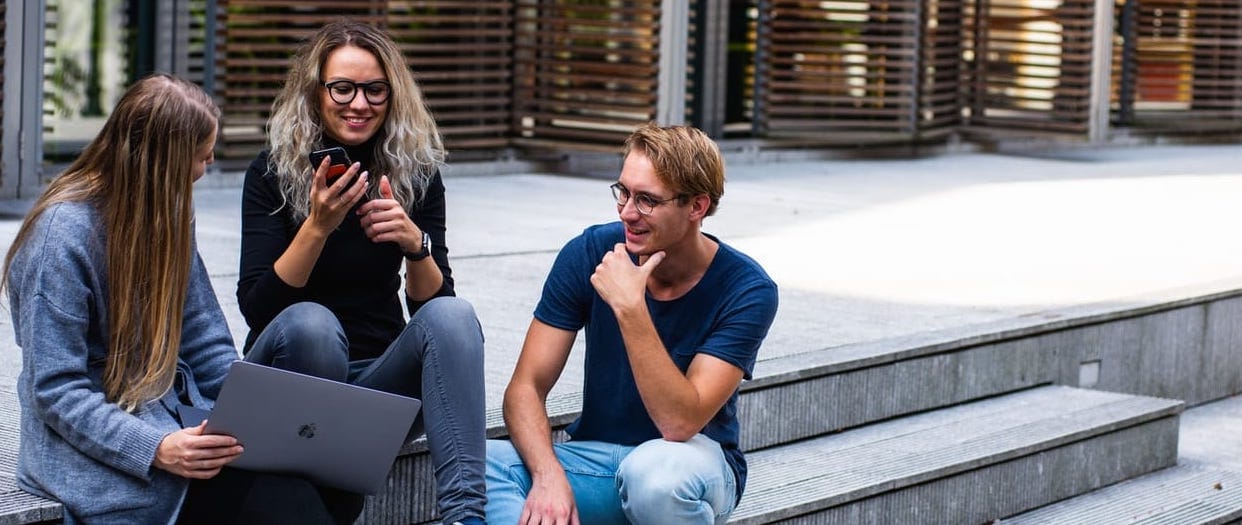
[
  {"x": 438, "y": 358},
  {"x": 242, "y": 497}
]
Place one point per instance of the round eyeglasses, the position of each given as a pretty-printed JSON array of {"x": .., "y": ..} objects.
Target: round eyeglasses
[
  {"x": 343, "y": 91},
  {"x": 645, "y": 203}
]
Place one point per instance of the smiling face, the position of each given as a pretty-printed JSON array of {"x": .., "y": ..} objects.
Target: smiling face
[
  {"x": 667, "y": 226},
  {"x": 356, "y": 122}
]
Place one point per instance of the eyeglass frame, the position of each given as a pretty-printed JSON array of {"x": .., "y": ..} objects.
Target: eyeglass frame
[
  {"x": 651, "y": 202},
  {"x": 364, "y": 86}
]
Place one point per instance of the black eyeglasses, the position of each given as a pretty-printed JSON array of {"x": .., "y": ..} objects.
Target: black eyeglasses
[
  {"x": 344, "y": 91},
  {"x": 645, "y": 203}
]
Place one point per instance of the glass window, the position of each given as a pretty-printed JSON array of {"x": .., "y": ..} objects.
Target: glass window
[{"x": 85, "y": 69}]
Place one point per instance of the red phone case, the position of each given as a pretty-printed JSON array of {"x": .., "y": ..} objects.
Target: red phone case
[{"x": 336, "y": 169}]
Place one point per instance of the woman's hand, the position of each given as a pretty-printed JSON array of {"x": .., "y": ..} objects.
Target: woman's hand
[
  {"x": 330, "y": 202},
  {"x": 191, "y": 454},
  {"x": 384, "y": 220}
]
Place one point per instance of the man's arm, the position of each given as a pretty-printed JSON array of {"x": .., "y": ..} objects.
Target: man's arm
[
  {"x": 679, "y": 405},
  {"x": 543, "y": 357}
]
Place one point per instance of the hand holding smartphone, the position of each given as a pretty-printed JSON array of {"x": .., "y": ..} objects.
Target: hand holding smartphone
[{"x": 338, "y": 165}]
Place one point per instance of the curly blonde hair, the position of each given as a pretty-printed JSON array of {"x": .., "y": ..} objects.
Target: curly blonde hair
[{"x": 408, "y": 147}]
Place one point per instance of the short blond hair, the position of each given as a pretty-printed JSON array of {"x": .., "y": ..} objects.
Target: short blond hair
[{"x": 685, "y": 159}]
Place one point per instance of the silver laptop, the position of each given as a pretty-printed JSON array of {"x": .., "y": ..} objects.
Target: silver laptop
[{"x": 332, "y": 433}]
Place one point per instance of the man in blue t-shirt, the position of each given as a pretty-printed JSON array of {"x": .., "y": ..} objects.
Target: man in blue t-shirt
[{"x": 673, "y": 319}]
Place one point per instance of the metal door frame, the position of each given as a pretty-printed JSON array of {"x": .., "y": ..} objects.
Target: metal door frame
[{"x": 22, "y": 159}]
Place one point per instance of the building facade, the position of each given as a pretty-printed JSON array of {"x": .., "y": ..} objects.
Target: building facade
[{"x": 509, "y": 78}]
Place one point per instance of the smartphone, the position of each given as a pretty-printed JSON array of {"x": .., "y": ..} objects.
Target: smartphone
[{"x": 339, "y": 164}]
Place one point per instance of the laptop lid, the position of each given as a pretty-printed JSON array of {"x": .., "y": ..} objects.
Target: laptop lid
[{"x": 332, "y": 433}]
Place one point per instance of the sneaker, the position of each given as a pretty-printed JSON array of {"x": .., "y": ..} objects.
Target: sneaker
[{"x": 471, "y": 521}]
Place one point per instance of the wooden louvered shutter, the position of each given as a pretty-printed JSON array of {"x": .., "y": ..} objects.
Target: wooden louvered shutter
[
  {"x": 1183, "y": 66},
  {"x": 858, "y": 71},
  {"x": 459, "y": 52},
  {"x": 585, "y": 72},
  {"x": 256, "y": 39},
  {"x": 1031, "y": 68},
  {"x": 1031, "y": 65}
]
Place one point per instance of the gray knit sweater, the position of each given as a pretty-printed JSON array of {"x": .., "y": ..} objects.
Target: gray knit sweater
[{"x": 76, "y": 447}]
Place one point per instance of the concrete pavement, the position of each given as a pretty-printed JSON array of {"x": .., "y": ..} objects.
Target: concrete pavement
[{"x": 862, "y": 249}]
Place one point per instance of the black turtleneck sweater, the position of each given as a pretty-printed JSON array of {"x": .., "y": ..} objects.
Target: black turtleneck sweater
[{"x": 355, "y": 278}]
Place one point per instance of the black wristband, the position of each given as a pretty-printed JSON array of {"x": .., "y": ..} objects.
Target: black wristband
[{"x": 421, "y": 254}]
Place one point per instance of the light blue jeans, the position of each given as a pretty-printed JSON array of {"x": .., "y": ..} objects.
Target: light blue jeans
[
  {"x": 657, "y": 482},
  {"x": 438, "y": 358}
]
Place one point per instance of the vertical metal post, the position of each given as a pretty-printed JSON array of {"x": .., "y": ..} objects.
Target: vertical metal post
[
  {"x": 1101, "y": 72},
  {"x": 711, "y": 74},
  {"x": 209, "y": 49},
  {"x": 671, "y": 80},
  {"x": 23, "y": 99},
  {"x": 978, "y": 78},
  {"x": 172, "y": 37},
  {"x": 921, "y": 55},
  {"x": 10, "y": 174},
  {"x": 759, "y": 118},
  {"x": 1129, "y": 62},
  {"x": 143, "y": 59}
]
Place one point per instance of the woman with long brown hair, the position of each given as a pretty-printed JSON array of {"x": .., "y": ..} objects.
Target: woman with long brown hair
[{"x": 118, "y": 324}]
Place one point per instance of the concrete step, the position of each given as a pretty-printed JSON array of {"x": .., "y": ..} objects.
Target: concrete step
[
  {"x": 1187, "y": 494},
  {"x": 953, "y": 465},
  {"x": 410, "y": 496},
  {"x": 18, "y": 507},
  {"x": 994, "y": 435},
  {"x": 968, "y": 464}
]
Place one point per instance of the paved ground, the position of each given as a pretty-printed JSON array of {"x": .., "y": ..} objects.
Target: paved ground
[{"x": 862, "y": 249}]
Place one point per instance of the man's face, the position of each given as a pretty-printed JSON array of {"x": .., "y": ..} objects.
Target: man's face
[{"x": 667, "y": 223}]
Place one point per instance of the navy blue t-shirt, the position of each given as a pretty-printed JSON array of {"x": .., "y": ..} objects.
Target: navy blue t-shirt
[{"x": 726, "y": 315}]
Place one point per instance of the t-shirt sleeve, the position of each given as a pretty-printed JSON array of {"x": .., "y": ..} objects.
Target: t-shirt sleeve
[
  {"x": 567, "y": 292},
  {"x": 742, "y": 324}
]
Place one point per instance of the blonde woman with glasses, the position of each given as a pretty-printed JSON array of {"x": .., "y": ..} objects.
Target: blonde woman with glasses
[{"x": 325, "y": 249}]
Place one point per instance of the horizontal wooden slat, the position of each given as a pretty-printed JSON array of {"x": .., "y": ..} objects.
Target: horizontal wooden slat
[
  {"x": 839, "y": 66},
  {"x": 458, "y": 51}
]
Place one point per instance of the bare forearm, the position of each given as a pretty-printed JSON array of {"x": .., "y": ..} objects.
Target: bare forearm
[
  {"x": 526, "y": 418},
  {"x": 671, "y": 399}
]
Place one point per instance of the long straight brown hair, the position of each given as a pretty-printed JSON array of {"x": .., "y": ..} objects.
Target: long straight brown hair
[{"x": 138, "y": 174}]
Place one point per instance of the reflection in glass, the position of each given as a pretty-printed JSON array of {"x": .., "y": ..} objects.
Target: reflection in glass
[{"x": 85, "y": 71}]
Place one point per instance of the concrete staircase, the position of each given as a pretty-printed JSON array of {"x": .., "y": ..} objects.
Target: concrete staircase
[
  {"x": 957, "y": 427},
  {"x": 1058, "y": 419},
  {"x": 1187, "y": 493},
  {"x": 966, "y": 464}
]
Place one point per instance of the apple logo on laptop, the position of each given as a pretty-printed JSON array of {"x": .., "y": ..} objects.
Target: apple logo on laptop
[{"x": 307, "y": 431}]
